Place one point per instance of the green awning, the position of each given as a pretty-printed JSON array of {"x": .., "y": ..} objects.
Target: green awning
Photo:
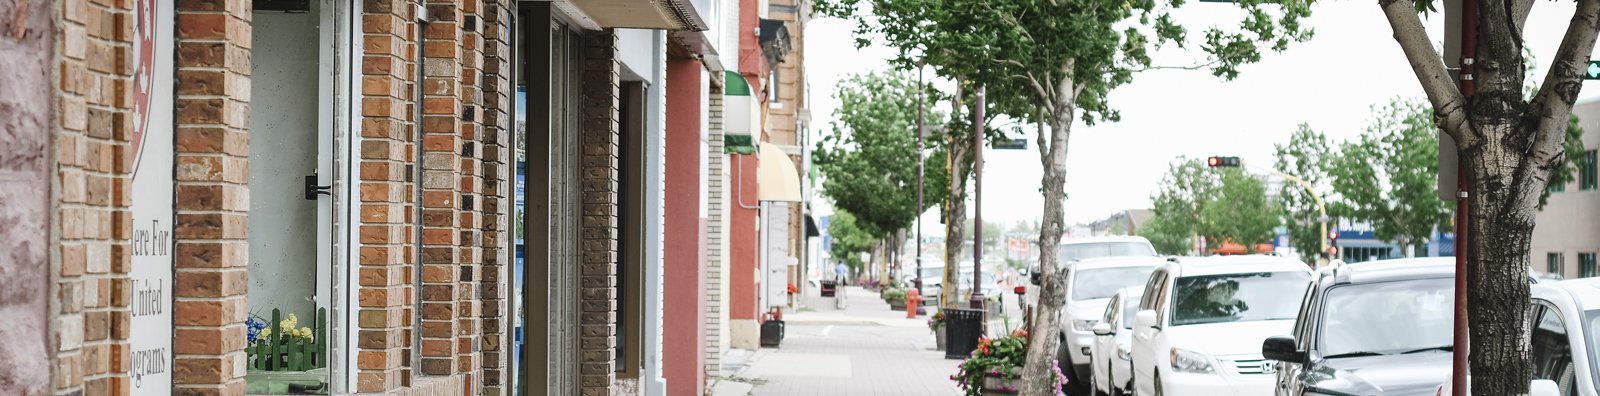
[{"x": 736, "y": 85}]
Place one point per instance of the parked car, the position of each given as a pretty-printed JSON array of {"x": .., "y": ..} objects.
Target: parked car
[
  {"x": 1201, "y": 322},
  {"x": 1111, "y": 372},
  {"x": 1097, "y": 247},
  {"x": 1565, "y": 323},
  {"x": 1373, "y": 328},
  {"x": 1090, "y": 284}
]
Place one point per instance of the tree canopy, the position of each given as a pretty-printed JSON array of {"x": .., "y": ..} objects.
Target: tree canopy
[{"x": 869, "y": 154}]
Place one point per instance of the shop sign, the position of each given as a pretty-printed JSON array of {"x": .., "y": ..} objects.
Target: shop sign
[{"x": 150, "y": 332}]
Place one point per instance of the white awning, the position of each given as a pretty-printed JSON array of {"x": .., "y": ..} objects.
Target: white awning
[{"x": 779, "y": 179}]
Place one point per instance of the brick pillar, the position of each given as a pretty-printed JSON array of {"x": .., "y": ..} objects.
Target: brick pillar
[
  {"x": 497, "y": 119},
  {"x": 92, "y": 222},
  {"x": 716, "y": 244},
  {"x": 469, "y": 190},
  {"x": 387, "y": 195},
  {"x": 683, "y": 355},
  {"x": 441, "y": 176},
  {"x": 598, "y": 308},
  {"x": 213, "y": 117}
]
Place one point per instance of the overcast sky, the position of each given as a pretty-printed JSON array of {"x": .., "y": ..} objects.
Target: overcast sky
[{"x": 1330, "y": 82}]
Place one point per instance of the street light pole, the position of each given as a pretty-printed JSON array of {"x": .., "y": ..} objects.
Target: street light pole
[
  {"x": 920, "y": 132},
  {"x": 977, "y": 201},
  {"x": 1322, "y": 210}
]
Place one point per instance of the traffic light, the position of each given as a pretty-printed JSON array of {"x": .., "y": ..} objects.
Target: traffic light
[
  {"x": 1333, "y": 244},
  {"x": 1230, "y": 162}
]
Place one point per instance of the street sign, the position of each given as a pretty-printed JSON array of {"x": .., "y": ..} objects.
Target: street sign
[
  {"x": 1593, "y": 71},
  {"x": 1011, "y": 144}
]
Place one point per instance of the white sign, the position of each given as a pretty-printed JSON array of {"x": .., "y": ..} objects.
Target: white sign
[{"x": 150, "y": 333}]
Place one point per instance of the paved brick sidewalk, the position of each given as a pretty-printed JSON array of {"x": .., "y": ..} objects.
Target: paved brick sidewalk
[{"x": 864, "y": 349}]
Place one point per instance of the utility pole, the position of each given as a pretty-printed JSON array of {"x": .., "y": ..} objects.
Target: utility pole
[
  {"x": 1461, "y": 45},
  {"x": 920, "y": 132},
  {"x": 977, "y": 202}
]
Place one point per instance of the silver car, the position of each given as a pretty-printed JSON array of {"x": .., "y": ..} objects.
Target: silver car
[
  {"x": 1090, "y": 284},
  {"x": 1110, "y": 357}
]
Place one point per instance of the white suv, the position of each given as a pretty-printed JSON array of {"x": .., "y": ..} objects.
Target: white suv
[
  {"x": 1202, "y": 320},
  {"x": 1090, "y": 284}
]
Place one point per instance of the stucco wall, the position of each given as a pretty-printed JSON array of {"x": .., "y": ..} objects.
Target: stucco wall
[{"x": 25, "y": 91}]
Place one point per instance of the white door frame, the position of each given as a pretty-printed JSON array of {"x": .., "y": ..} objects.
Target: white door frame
[{"x": 336, "y": 160}]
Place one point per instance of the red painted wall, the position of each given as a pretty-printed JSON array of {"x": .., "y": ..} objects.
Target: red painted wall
[
  {"x": 683, "y": 359},
  {"x": 744, "y": 245}
]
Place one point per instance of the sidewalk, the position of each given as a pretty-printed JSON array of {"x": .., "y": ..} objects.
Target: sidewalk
[{"x": 864, "y": 349}]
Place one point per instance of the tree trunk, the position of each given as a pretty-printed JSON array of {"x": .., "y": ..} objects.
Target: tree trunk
[
  {"x": 955, "y": 208},
  {"x": 1038, "y": 374},
  {"x": 1501, "y": 219}
]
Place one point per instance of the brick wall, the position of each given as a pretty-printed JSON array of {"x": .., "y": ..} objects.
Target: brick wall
[
  {"x": 716, "y": 249},
  {"x": 212, "y": 197},
  {"x": 92, "y": 219},
  {"x": 598, "y": 125},
  {"x": 469, "y": 190},
  {"x": 388, "y": 196},
  {"x": 441, "y": 175},
  {"x": 497, "y": 189}
]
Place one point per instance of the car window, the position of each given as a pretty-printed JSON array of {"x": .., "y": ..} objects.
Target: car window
[
  {"x": 1552, "y": 351},
  {"x": 1088, "y": 284},
  {"x": 1413, "y": 315},
  {"x": 1304, "y": 321},
  {"x": 1152, "y": 289},
  {"x": 1079, "y": 251},
  {"x": 1111, "y": 311},
  {"x": 1237, "y": 297},
  {"x": 1592, "y": 319}
]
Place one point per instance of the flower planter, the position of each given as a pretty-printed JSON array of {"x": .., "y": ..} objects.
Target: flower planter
[
  {"x": 938, "y": 336},
  {"x": 898, "y": 305},
  {"x": 1002, "y": 383}
]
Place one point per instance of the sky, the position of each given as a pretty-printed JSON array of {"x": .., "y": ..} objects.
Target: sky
[{"x": 1330, "y": 82}]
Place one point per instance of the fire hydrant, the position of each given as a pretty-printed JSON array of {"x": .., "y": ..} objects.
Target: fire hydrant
[{"x": 913, "y": 298}]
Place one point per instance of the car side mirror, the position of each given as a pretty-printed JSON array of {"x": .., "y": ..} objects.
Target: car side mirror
[
  {"x": 1544, "y": 387},
  {"x": 1283, "y": 349},
  {"x": 1146, "y": 318},
  {"x": 1102, "y": 329}
]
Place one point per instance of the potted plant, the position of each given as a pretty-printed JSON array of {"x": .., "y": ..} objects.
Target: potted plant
[
  {"x": 995, "y": 368},
  {"x": 936, "y": 323},
  {"x": 896, "y": 298}
]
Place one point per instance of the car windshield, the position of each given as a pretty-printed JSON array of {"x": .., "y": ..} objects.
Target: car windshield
[
  {"x": 1237, "y": 297},
  {"x": 1079, "y": 251},
  {"x": 1103, "y": 282},
  {"x": 1412, "y": 315},
  {"x": 1130, "y": 308}
]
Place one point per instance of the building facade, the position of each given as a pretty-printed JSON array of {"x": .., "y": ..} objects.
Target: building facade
[
  {"x": 431, "y": 189},
  {"x": 1565, "y": 242}
]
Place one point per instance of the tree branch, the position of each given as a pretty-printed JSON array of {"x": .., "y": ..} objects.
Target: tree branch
[
  {"x": 1448, "y": 103},
  {"x": 1519, "y": 12},
  {"x": 1562, "y": 82}
]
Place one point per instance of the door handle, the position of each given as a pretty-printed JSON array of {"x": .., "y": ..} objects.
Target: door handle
[{"x": 312, "y": 189}]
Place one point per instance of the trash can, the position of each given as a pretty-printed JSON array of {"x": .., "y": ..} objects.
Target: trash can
[
  {"x": 772, "y": 333},
  {"x": 829, "y": 287},
  {"x": 962, "y": 327}
]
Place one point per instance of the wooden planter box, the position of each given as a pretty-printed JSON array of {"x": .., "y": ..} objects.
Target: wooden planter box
[
  {"x": 898, "y": 305},
  {"x": 1005, "y": 384}
]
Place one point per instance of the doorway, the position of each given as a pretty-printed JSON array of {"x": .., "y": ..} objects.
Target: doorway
[{"x": 300, "y": 158}]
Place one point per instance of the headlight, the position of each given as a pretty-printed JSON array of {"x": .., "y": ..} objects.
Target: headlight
[
  {"x": 1190, "y": 361},
  {"x": 1083, "y": 325}
]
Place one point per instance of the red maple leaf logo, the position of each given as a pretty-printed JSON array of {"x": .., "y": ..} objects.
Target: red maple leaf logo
[{"x": 143, "y": 75}]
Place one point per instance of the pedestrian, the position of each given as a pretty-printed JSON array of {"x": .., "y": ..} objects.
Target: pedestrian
[{"x": 840, "y": 271}]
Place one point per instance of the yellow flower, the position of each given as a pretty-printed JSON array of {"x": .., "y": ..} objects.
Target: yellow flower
[
  {"x": 264, "y": 334},
  {"x": 305, "y": 332}
]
